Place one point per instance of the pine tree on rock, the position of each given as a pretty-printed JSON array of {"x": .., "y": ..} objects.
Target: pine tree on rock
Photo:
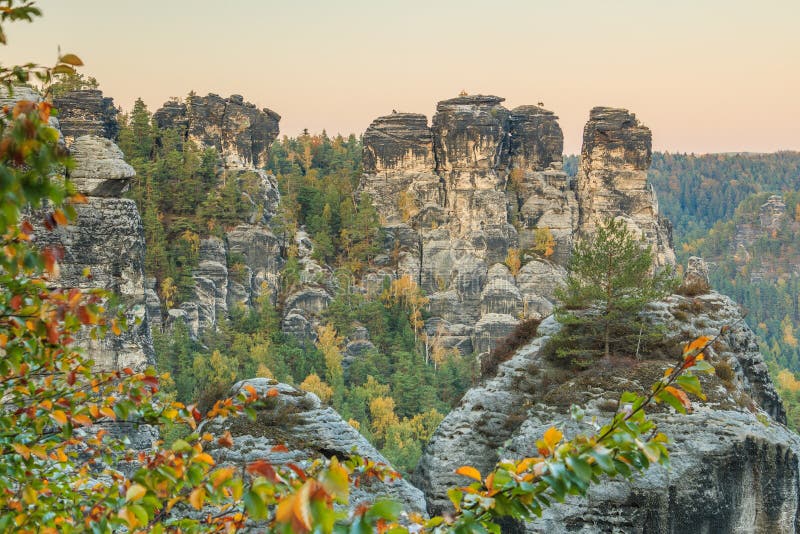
[{"x": 611, "y": 281}]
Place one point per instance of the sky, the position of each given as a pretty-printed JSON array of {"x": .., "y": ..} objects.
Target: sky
[{"x": 704, "y": 75}]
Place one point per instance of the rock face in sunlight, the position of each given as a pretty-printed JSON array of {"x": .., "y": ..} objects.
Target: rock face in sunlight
[
  {"x": 484, "y": 186},
  {"x": 308, "y": 429},
  {"x": 734, "y": 466},
  {"x": 240, "y": 132}
]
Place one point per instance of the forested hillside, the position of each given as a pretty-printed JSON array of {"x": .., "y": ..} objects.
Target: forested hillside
[
  {"x": 723, "y": 209},
  {"x": 396, "y": 394}
]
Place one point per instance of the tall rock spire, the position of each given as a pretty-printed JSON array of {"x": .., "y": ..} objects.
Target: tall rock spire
[{"x": 612, "y": 179}]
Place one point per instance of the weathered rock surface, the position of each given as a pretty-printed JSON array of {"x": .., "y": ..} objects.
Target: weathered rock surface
[
  {"x": 107, "y": 238},
  {"x": 309, "y": 430},
  {"x": 612, "y": 179},
  {"x": 734, "y": 466},
  {"x": 240, "y": 132},
  {"x": 100, "y": 167},
  {"x": 86, "y": 112},
  {"x": 481, "y": 181}
]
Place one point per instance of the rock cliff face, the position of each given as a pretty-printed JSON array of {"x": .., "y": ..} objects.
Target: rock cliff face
[
  {"x": 612, "y": 179},
  {"x": 239, "y": 131},
  {"x": 86, "y": 112},
  {"x": 734, "y": 466},
  {"x": 309, "y": 430},
  {"x": 108, "y": 239},
  {"x": 483, "y": 182},
  {"x": 246, "y": 263}
]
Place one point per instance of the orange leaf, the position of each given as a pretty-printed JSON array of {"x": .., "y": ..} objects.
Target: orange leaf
[
  {"x": 470, "y": 472},
  {"x": 22, "y": 450},
  {"x": 681, "y": 396},
  {"x": 265, "y": 469},
  {"x": 279, "y": 448},
  {"x": 115, "y": 327},
  {"x": 301, "y": 508},
  {"x": 205, "y": 458},
  {"x": 697, "y": 344},
  {"x": 59, "y": 217},
  {"x": 226, "y": 440},
  {"x": 273, "y": 392}
]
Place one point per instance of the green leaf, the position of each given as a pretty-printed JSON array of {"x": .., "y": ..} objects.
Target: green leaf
[
  {"x": 691, "y": 384},
  {"x": 384, "y": 509},
  {"x": 254, "y": 505},
  {"x": 580, "y": 467},
  {"x": 672, "y": 400}
]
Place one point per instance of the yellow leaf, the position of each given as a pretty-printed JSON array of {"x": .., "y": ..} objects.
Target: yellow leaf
[
  {"x": 135, "y": 492},
  {"x": 39, "y": 451},
  {"x": 470, "y": 472},
  {"x": 22, "y": 450},
  {"x": 205, "y": 458},
  {"x": 197, "y": 497},
  {"x": 115, "y": 327},
  {"x": 59, "y": 417},
  {"x": 552, "y": 436}
]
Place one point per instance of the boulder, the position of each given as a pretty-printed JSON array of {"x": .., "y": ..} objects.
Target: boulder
[{"x": 309, "y": 430}]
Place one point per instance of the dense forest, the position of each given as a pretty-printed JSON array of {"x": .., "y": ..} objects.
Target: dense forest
[{"x": 396, "y": 394}]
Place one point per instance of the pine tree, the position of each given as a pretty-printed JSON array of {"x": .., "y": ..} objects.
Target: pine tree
[{"x": 610, "y": 282}]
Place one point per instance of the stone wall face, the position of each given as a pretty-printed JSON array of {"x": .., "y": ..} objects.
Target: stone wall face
[
  {"x": 455, "y": 197},
  {"x": 729, "y": 470}
]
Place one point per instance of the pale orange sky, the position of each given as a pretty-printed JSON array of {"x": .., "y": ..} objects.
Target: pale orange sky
[{"x": 705, "y": 76}]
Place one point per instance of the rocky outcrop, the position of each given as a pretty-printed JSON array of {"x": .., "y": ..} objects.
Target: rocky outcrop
[
  {"x": 86, "y": 112},
  {"x": 734, "y": 466},
  {"x": 100, "y": 167},
  {"x": 772, "y": 213},
  {"x": 106, "y": 241},
  {"x": 612, "y": 179},
  {"x": 457, "y": 197},
  {"x": 241, "y": 133},
  {"x": 309, "y": 430}
]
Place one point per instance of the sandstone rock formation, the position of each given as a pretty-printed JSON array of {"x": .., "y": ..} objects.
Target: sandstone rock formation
[
  {"x": 86, "y": 112},
  {"x": 240, "y": 132},
  {"x": 612, "y": 179},
  {"x": 734, "y": 466},
  {"x": 107, "y": 238},
  {"x": 309, "y": 430},
  {"x": 245, "y": 264},
  {"x": 457, "y": 197}
]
